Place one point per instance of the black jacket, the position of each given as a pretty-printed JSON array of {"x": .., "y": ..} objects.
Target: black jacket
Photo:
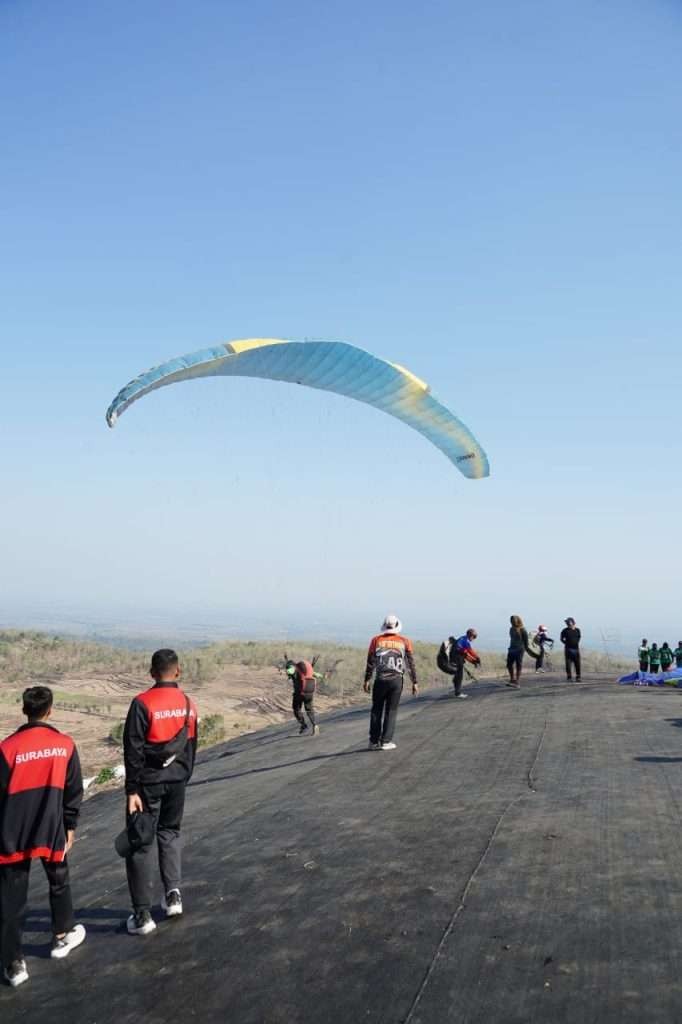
[{"x": 570, "y": 637}]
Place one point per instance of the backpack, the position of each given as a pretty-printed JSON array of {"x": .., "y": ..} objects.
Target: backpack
[{"x": 306, "y": 678}]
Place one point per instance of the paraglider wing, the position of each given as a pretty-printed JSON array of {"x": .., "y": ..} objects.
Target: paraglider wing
[{"x": 329, "y": 366}]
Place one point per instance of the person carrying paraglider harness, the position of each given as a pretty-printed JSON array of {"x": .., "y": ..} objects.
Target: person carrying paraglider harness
[
  {"x": 453, "y": 654},
  {"x": 542, "y": 640},
  {"x": 304, "y": 680}
]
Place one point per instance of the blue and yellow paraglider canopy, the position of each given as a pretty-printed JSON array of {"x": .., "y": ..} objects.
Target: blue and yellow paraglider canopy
[{"x": 329, "y": 366}]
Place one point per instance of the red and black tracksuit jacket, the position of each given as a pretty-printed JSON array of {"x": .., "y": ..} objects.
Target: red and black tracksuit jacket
[
  {"x": 155, "y": 717},
  {"x": 41, "y": 789}
]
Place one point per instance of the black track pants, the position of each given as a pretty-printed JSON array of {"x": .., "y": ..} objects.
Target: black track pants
[
  {"x": 166, "y": 801},
  {"x": 456, "y": 670},
  {"x": 301, "y": 701},
  {"x": 385, "y": 700},
  {"x": 572, "y": 661},
  {"x": 13, "y": 897}
]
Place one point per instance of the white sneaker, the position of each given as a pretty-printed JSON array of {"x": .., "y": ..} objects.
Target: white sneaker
[
  {"x": 16, "y": 974},
  {"x": 62, "y": 947},
  {"x": 141, "y": 924},
  {"x": 388, "y": 746},
  {"x": 171, "y": 903},
  {"x": 461, "y": 696}
]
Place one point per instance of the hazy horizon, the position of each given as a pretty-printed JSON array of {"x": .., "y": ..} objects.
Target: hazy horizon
[{"x": 184, "y": 628}]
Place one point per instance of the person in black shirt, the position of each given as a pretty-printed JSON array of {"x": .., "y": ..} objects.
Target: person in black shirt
[{"x": 570, "y": 638}]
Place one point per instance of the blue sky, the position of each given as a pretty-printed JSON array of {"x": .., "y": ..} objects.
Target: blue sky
[{"x": 489, "y": 194}]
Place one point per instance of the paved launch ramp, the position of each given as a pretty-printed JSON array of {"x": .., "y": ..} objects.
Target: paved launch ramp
[{"x": 517, "y": 859}]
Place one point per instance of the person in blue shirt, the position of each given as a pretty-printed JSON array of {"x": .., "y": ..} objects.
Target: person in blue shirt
[{"x": 452, "y": 656}]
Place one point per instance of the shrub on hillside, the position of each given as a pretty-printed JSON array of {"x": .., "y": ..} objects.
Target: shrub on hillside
[{"x": 211, "y": 730}]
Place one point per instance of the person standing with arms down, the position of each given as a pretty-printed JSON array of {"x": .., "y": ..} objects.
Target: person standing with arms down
[
  {"x": 654, "y": 659},
  {"x": 643, "y": 656},
  {"x": 570, "y": 638},
  {"x": 518, "y": 646},
  {"x": 452, "y": 657},
  {"x": 667, "y": 658},
  {"x": 41, "y": 790},
  {"x": 159, "y": 748},
  {"x": 388, "y": 656}
]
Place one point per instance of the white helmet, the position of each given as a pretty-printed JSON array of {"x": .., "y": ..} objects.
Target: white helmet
[{"x": 391, "y": 624}]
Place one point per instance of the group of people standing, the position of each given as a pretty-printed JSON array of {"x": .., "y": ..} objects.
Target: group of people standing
[
  {"x": 657, "y": 659},
  {"x": 391, "y": 654},
  {"x": 520, "y": 644},
  {"x": 41, "y": 786},
  {"x": 41, "y": 790}
]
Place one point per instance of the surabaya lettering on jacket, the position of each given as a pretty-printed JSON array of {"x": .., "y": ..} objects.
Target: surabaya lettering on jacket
[
  {"x": 167, "y": 709},
  {"x": 37, "y": 755},
  {"x": 174, "y": 713}
]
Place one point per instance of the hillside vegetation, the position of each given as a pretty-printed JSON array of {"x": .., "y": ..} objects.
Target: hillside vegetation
[{"x": 27, "y": 657}]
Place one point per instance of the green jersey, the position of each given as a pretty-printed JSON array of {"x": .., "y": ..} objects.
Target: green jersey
[
  {"x": 666, "y": 658},
  {"x": 654, "y": 658},
  {"x": 678, "y": 656},
  {"x": 643, "y": 655}
]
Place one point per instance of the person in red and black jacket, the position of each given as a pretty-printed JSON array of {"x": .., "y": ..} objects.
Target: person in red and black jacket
[
  {"x": 304, "y": 680},
  {"x": 41, "y": 789},
  {"x": 388, "y": 656},
  {"x": 159, "y": 748}
]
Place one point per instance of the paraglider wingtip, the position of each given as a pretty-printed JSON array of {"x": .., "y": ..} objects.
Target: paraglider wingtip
[{"x": 111, "y": 419}]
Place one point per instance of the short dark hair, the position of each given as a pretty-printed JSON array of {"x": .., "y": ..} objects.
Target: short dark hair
[
  {"x": 163, "y": 661},
  {"x": 37, "y": 701}
]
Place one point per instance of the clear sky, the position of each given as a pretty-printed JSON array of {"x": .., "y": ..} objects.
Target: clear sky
[{"x": 490, "y": 194}]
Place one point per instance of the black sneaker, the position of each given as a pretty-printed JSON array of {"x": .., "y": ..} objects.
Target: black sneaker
[
  {"x": 304, "y": 728},
  {"x": 141, "y": 923},
  {"x": 16, "y": 974}
]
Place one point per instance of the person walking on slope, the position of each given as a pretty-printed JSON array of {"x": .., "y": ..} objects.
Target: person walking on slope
[
  {"x": 518, "y": 646},
  {"x": 643, "y": 656},
  {"x": 570, "y": 638},
  {"x": 667, "y": 658},
  {"x": 41, "y": 790},
  {"x": 678, "y": 654},
  {"x": 654, "y": 659},
  {"x": 159, "y": 748},
  {"x": 452, "y": 656},
  {"x": 388, "y": 656},
  {"x": 542, "y": 639},
  {"x": 304, "y": 681}
]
